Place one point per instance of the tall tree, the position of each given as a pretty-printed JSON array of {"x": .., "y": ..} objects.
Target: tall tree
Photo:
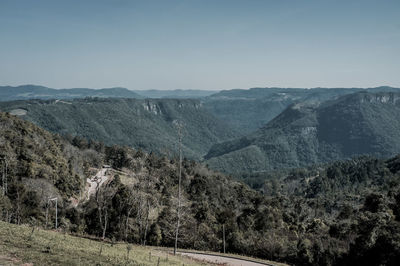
[{"x": 179, "y": 127}]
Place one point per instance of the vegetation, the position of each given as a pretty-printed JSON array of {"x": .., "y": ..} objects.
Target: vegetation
[
  {"x": 335, "y": 214},
  {"x": 313, "y": 133},
  {"x": 243, "y": 110},
  {"x": 248, "y": 110},
  {"x": 27, "y": 244},
  {"x": 142, "y": 124}
]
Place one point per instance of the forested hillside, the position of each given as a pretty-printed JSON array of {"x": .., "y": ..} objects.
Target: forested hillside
[
  {"x": 244, "y": 110},
  {"x": 248, "y": 110},
  {"x": 145, "y": 124},
  {"x": 310, "y": 133}
]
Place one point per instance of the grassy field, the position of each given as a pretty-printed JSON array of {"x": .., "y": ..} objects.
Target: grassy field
[{"x": 19, "y": 246}]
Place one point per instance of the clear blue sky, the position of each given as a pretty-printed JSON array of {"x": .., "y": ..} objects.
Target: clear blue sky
[{"x": 200, "y": 44}]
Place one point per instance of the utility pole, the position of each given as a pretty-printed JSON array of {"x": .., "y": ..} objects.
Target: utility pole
[
  {"x": 179, "y": 126},
  {"x": 223, "y": 235}
]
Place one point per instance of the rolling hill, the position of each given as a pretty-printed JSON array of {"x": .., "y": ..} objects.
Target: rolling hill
[
  {"x": 145, "y": 124},
  {"x": 311, "y": 133}
]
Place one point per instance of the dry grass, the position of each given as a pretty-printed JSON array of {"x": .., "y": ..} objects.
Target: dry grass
[{"x": 19, "y": 246}]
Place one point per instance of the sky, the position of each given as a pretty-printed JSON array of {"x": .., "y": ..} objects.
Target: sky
[{"x": 188, "y": 44}]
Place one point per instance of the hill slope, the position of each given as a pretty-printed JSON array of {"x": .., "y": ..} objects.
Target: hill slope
[
  {"x": 305, "y": 134},
  {"x": 25, "y": 92},
  {"x": 249, "y": 110},
  {"x": 145, "y": 124}
]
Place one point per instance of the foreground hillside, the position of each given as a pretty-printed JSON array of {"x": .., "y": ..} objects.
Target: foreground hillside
[
  {"x": 29, "y": 244},
  {"x": 144, "y": 124},
  {"x": 311, "y": 133}
]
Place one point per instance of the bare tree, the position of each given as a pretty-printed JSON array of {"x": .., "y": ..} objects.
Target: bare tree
[{"x": 104, "y": 197}]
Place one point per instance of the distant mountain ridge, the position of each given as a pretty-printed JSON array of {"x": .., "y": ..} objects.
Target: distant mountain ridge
[
  {"x": 311, "y": 133},
  {"x": 176, "y": 94},
  {"x": 25, "y": 92}
]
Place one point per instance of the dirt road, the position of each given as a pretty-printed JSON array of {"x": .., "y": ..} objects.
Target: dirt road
[{"x": 96, "y": 182}]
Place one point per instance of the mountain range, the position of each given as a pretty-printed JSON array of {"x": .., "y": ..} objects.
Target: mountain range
[
  {"x": 235, "y": 131},
  {"x": 313, "y": 132},
  {"x": 249, "y": 110},
  {"x": 243, "y": 110},
  {"x": 27, "y": 92}
]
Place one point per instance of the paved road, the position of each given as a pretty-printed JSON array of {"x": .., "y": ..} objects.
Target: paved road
[{"x": 222, "y": 260}]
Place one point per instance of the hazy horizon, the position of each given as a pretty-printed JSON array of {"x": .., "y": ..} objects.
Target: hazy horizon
[
  {"x": 207, "y": 45},
  {"x": 216, "y": 90}
]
